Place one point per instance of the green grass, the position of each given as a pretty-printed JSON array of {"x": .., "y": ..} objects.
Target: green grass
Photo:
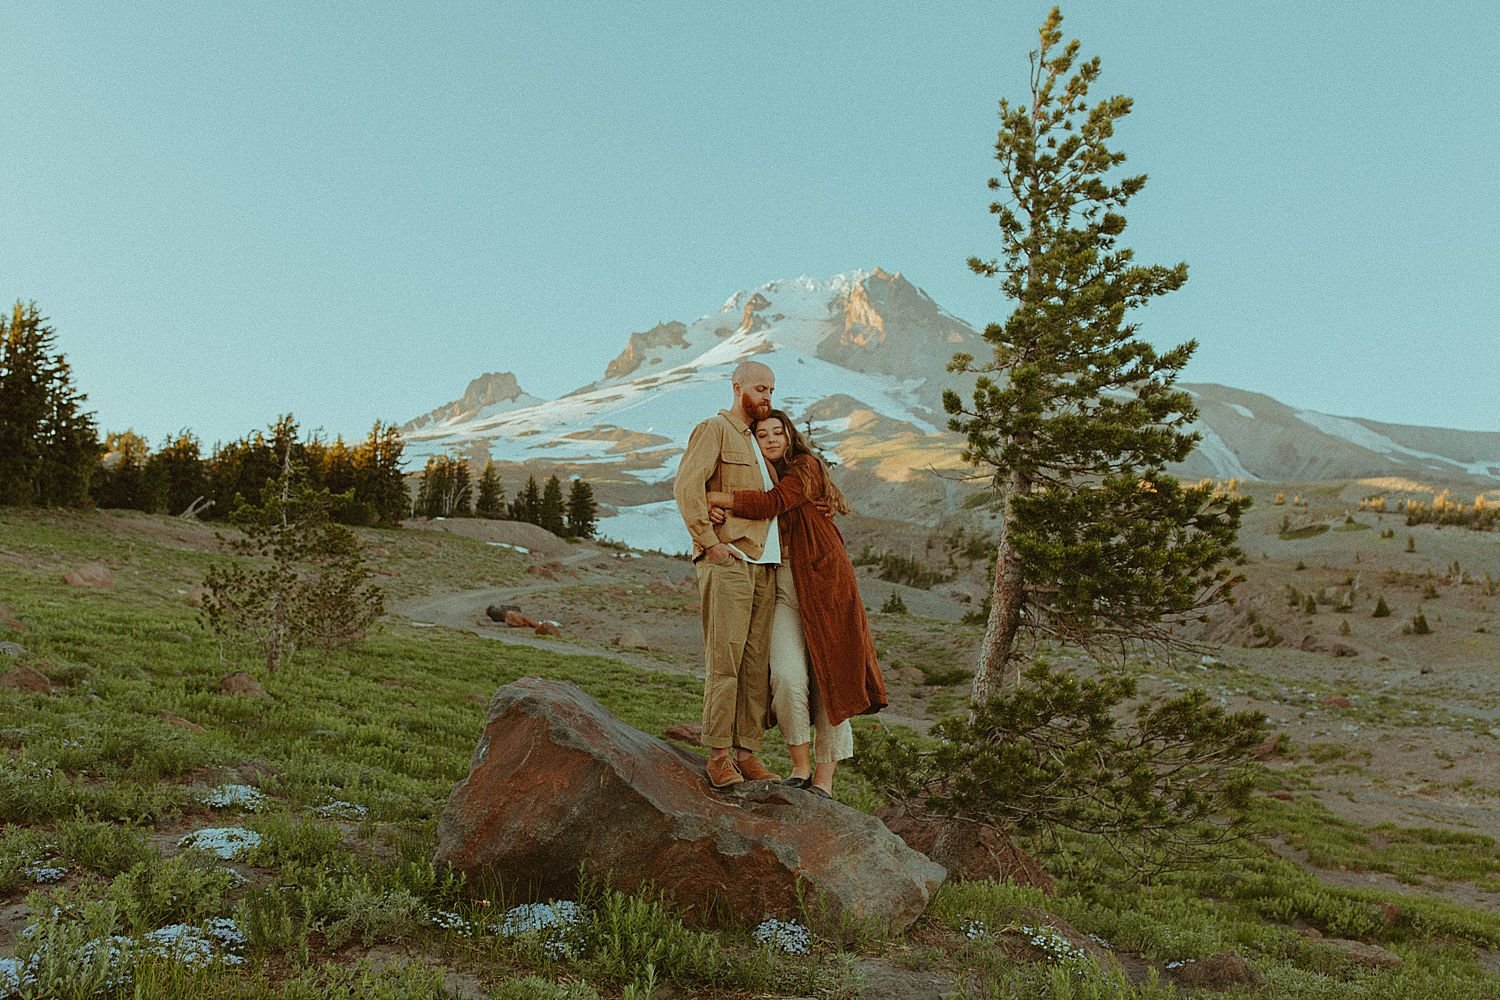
[{"x": 103, "y": 776}]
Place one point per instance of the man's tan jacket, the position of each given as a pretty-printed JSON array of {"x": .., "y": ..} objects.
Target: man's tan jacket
[{"x": 721, "y": 456}]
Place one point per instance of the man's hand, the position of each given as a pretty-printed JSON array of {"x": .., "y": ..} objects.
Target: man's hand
[
  {"x": 716, "y": 515},
  {"x": 719, "y": 553}
]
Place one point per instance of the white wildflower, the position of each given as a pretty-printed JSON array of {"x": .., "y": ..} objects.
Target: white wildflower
[
  {"x": 784, "y": 935},
  {"x": 339, "y": 809},
  {"x": 231, "y": 843},
  {"x": 1052, "y": 944},
  {"x": 244, "y": 797},
  {"x": 552, "y": 923},
  {"x": 42, "y": 873}
]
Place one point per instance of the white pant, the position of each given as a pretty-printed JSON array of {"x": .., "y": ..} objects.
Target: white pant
[{"x": 793, "y": 689}]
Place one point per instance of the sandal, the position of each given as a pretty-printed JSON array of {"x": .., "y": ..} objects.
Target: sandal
[
  {"x": 820, "y": 792},
  {"x": 796, "y": 782}
]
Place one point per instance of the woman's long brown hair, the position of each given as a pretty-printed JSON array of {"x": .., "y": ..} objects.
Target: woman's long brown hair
[{"x": 799, "y": 445}]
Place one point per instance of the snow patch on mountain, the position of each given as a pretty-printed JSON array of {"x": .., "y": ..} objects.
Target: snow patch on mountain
[
  {"x": 1243, "y": 411},
  {"x": 1221, "y": 458},
  {"x": 1361, "y": 436},
  {"x": 648, "y": 526}
]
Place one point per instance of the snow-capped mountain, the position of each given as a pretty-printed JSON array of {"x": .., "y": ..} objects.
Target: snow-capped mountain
[{"x": 861, "y": 358}]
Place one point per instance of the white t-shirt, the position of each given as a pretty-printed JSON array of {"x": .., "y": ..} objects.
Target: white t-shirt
[{"x": 771, "y": 554}]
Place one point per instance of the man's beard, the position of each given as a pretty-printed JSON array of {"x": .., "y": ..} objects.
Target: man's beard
[{"x": 754, "y": 410}]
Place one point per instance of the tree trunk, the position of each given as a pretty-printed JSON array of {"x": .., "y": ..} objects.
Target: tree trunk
[{"x": 999, "y": 666}]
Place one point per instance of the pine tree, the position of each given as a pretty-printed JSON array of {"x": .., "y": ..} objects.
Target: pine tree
[
  {"x": 491, "y": 502},
  {"x": 49, "y": 446},
  {"x": 1074, "y": 417},
  {"x": 550, "y": 514},
  {"x": 379, "y": 484},
  {"x": 120, "y": 482},
  {"x": 583, "y": 512},
  {"x": 527, "y": 506},
  {"x": 177, "y": 473},
  {"x": 305, "y": 583},
  {"x": 461, "y": 489}
]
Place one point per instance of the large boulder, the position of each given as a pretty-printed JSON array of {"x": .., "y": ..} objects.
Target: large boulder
[
  {"x": 556, "y": 783},
  {"x": 93, "y": 576}
]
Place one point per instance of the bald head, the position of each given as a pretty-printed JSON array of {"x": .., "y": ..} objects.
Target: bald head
[
  {"x": 753, "y": 385},
  {"x": 747, "y": 372}
]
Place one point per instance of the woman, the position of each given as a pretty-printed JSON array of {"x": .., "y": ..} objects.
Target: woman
[{"x": 826, "y": 628}]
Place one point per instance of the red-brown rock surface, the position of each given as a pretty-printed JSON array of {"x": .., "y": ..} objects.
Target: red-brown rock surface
[
  {"x": 26, "y": 680},
  {"x": 94, "y": 576},
  {"x": 556, "y": 782}
]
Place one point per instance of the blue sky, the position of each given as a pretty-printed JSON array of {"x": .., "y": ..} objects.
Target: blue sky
[{"x": 347, "y": 210}]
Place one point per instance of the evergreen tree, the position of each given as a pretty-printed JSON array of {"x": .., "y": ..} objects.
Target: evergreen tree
[
  {"x": 238, "y": 472},
  {"x": 1074, "y": 417},
  {"x": 491, "y": 502},
  {"x": 445, "y": 488},
  {"x": 379, "y": 484},
  {"x": 23, "y": 402},
  {"x": 583, "y": 512},
  {"x": 49, "y": 446},
  {"x": 120, "y": 481},
  {"x": 177, "y": 474},
  {"x": 527, "y": 506},
  {"x": 306, "y": 582},
  {"x": 550, "y": 514}
]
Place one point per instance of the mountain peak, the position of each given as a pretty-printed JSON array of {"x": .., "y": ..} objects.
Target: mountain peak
[{"x": 493, "y": 392}]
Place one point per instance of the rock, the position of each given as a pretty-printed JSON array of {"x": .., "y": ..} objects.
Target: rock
[
  {"x": 556, "y": 782},
  {"x": 660, "y": 587},
  {"x": 548, "y": 628},
  {"x": 1423, "y": 670},
  {"x": 971, "y": 852},
  {"x": 631, "y": 638},
  {"x": 517, "y": 620},
  {"x": 94, "y": 576},
  {"x": 1267, "y": 748},
  {"x": 9, "y": 620},
  {"x": 1220, "y": 972},
  {"x": 1334, "y": 701},
  {"x": 547, "y": 571},
  {"x": 1370, "y": 956},
  {"x": 194, "y": 596},
  {"x": 13, "y": 649},
  {"x": 685, "y": 732},
  {"x": 911, "y": 675},
  {"x": 1281, "y": 795},
  {"x": 179, "y": 722},
  {"x": 1340, "y": 649},
  {"x": 240, "y": 682},
  {"x": 26, "y": 680},
  {"x": 496, "y": 612},
  {"x": 476, "y": 698}
]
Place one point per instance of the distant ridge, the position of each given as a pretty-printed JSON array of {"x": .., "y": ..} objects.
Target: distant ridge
[{"x": 861, "y": 358}]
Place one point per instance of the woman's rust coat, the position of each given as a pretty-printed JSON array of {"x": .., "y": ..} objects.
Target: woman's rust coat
[{"x": 833, "y": 617}]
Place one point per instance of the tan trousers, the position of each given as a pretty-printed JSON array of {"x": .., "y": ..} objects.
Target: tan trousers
[
  {"x": 738, "y": 600},
  {"x": 794, "y": 691}
]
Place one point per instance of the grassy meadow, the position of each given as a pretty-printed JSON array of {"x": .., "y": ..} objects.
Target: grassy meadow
[{"x": 354, "y": 753}]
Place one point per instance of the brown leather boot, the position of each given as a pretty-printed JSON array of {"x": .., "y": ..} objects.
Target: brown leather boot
[
  {"x": 722, "y": 773},
  {"x": 754, "y": 770}
]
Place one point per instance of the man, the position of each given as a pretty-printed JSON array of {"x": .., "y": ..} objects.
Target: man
[{"x": 736, "y": 563}]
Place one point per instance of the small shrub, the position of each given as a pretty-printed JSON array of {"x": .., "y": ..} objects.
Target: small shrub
[
  {"x": 893, "y": 605},
  {"x": 1382, "y": 609},
  {"x": 181, "y": 889},
  {"x": 1169, "y": 787},
  {"x": 1418, "y": 626}
]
